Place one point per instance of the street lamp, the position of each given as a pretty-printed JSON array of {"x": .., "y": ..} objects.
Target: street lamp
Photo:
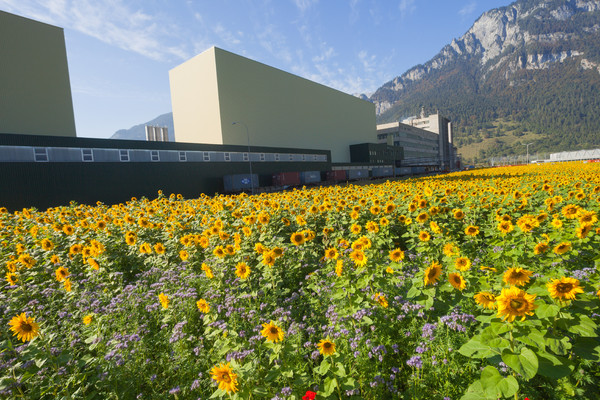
[
  {"x": 249, "y": 160},
  {"x": 527, "y": 151}
]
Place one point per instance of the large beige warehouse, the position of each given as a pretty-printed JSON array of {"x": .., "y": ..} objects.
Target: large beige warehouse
[
  {"x": 217, "y": 88},
  {"x": 35, "y": 93}
]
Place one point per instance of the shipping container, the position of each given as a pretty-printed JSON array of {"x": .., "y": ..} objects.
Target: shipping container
[
  {"x": 417, "y": 170},
  {"x": 403, "y": 171},
  {"x": 310, "y": 177},
  {"x": 239, "y": 182},
  {"x": 382, "y": 172},
  {"x": 362, "y": 173},
  {"x": 286, "y": 179},
  {"x": 335, "y": 176}
]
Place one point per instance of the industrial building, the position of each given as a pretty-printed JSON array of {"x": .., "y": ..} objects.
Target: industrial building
[
  {"x": 426, "y": 141},
  {"x": 270, "y": 107},
  {"x": 34, "y": 79},
  {"x": 232, "y": 116}
]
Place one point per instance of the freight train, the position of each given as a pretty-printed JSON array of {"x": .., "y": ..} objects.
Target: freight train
[{"x": 284, "y": 180}]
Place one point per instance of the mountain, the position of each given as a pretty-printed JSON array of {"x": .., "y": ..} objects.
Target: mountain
[
  {"x": 138, "y": 132},
  {"x": 528, "y": 71}
]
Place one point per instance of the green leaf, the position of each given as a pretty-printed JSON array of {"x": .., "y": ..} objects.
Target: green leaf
[
  {"x": 587, "y": 348},
  {"x": 413, "y": 292},
  {"x": 474, "y": 392},
  {"x": 474, "y": 348},
  {"x": 328, "y": 387},
  {"x": 586, "y": 327},
  {"x": 533, "y": 338},
  {"x": 324, "y": 367},
  {"x": 525, "y": 364},
  {"x": 560, "y": 347},
  {"x": 494, "y": 385},
  {"x": 340, "y": 370},
  {"x": 554, "y": 367}
]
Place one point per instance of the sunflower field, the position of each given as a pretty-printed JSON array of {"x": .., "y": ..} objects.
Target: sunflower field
[{"x": 474, "y": 285}]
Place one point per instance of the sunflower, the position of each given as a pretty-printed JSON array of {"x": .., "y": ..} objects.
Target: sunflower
[
  {"x": 164, "y": 300},
  {"x": 458, "y": 214},
  {"x": 93, "y": 263},
  {"x": 268, "y": 258},
  {"x": 486, "y": 300},
  {"x": 432, "y": 273},
  {"x": 47, "y": 244},
  {"x": 272, "y": 332},
  {"x": 514, "y": 302},
  {"x": 540, "y": 248},
  {"x": 462, "y": 264},
  {"x": 556, "y": 223},
  {"x": 159, "y": 248},
  {"x": 326, "y": 347},
  {"x": 380, "y": 298},
  {"x": 11, "y": 278},
  {"x": 451, "y": 250},
  {"x": 472, "y": 230},
  {"x": 331, "y": 253},
  {"x": 570, "y": 211},
  {"x": 207, "y": 271},
  {"x": 67, "y": 285},
  {"x": 355, "y": 229},
  {"x": 359, "y": 258},
  {"x": 396, "y": 255},
  {"x": 145, "y": 248},
  {"x": 564, "y": 288},
  {"x": 242, "y": 270},
  {"x": 457, "y": 281},
  {"x": 339, "y": 268},
  {"x": 203, "y": 306},
  {"x": 583, "y": 231},
  {"x": 562, "y": 248},
  {"x": 422, "y": 217},
  {"x": 61, "y": 273},
  {"x": 27, "y": 260},
  {"x": 25, "y": 328},
  {"x": 297, "y": 238},
  {"x": 130, "y": 238},
  {"x": 516, "y": 276},
  {"x": 88, "y": 319},
  {"x": 372, "y": 227},
  {"x": 424, "y": 236},
  {"x": 505, "y": 227},
  {"x": 226, "y": 378},
  {"x": 184, "y": 255},
  {"x": 219, "y": 251}
]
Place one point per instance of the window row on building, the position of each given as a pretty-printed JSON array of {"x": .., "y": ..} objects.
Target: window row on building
[{"x": 72, "y": 154}]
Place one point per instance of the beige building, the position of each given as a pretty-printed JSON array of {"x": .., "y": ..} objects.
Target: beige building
[
  {"x": 217, "y": 88},
  {"x": 425, "y": 140},
  {"x": 34, "y": 79}
]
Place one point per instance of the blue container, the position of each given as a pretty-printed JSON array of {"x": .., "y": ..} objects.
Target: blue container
[
  {"x": 310, "y": 177},
  {"x": 382, "y": 172},
  {"x": 362, "y": 173},
  {"x": 239, "y": 182}
]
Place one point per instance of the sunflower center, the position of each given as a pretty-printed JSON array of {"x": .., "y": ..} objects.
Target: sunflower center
[
  {"x": 274, "y": 330},
  {"x": 516, "y": 304},
  {"x": 26, "y": 328},
  {"x": 564, "y": 287},
  {"x": 431, "y": 274},
  {"x": 225, "y": 377},
  {"x": 327, "y": 345}
]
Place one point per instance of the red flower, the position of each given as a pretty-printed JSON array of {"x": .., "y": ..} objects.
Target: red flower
[{"x": 309, "y": 395}]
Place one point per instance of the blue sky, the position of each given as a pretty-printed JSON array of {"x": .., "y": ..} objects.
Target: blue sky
[{"x": 120, "y": 51}]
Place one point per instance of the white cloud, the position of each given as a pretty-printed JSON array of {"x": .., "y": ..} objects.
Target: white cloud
[
  {"x": 468, "y": 8},
  {"x": 227, "y": 37},
  {"x": 304, "y": 5},
  {"x": 112, "y": 22},
  {"x": 406, "y": 7}
]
